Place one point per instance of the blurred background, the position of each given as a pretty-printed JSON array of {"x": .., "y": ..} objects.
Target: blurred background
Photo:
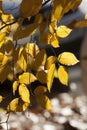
[{"x": 69, "y": 103}]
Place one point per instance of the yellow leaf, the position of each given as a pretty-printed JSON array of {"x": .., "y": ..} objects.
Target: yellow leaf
[
  {"x": 63, "y": 31},
  {"x": 67, "y": 58},
  {"x": 5, "y": 67},
  {"x": 39, "y": 59},
  {"x": 2, "y": 37},
  {"x": 7, "y": 18},
  {"x": 31, "y": 49},
  {"x": 24, "y": 93},
  {"x": 40, "y": 90},
  {"x": 13, "y": 105},
  {"x": 54, "y": 41},
  {"x": 53, "y": 26},
  {"x": 15, "y": 86},
  {"x": 16, "y": 106},
  {"x": 50, "y": 76},
  {"x": 27, "y": 78},
  {"x": 63, "y": 75},
  {"x": 23, "y": 60},
  {"x": 4, "y": 71},
  {"x": 50, "y": 60},
  {"x": 30, "y": 8},
  {"x": 1, "y": 98},
  {"x": 42, "y": 76},
  {"x": 60, "y": 7},
  {"x": 25, "y": 106},
  {"x": 44, "y": 102}
]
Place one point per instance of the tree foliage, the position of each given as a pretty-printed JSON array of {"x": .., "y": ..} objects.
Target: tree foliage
[{"x": 28, "y": 63}]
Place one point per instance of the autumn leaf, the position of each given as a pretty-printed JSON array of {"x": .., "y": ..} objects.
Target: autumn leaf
[
  {"x": 23, "y": 60},
  {"x": 50, "y": 60},
  {"x": 63, "y": 75},
  {"x": 24, "y": 93},
  {"x": 26, "y": 78},
  {"x": 7, "y": 18},
  {"x": 63, "y": 31},
  {"x": 42, "y": 76},
  {"x": 15, "y": 86},
  {"x": 4, "y": 67},
  {"x": 29, "y": 8},
  {"x": 31, "y": 49},
  {"x": 41, "y": 98},
  {"x": 50, "y": 76},
  {"x": 16, "y": 106},
  {"x": 13, "y": 105},
  {"x": 67, "y": 58},
  {"x": 40, "y": 90},
  {"x": 1, "y": 98},
  {"x": 39, "y": 59}
]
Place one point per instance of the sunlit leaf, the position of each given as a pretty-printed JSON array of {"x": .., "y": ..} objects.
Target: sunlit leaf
[
  {"x": 67, "y": 58},
  {"x": 24, "y": 93},
  {"x": 2, "y": 38},
  {"x": 23, "y": 60},
  {"x": 27, "y": 78},
  {"x": 5, "y": 67},
  {"x": 60, "y": 7},
  {"x": 31, "y": 49},
  {"x": 54, "y": 41},
  {"x": 15, "y": 86},
  {"x": 16, "y": 106},
  {"x": 13, "y": 105},
  {"x": 44, "y": 102},
  {"x": 63, "y": 31},
  {"x": 1, "y": 98},
  {"x": 42, "y": 76},
  {"x": 7, "y": 18},
  {"x": 63, "y": 75},
  {"x": 50, "y": 60},
  {"x": 53, "y": 26},
  {"x": 40, "y": 90},
  {"x": 50, "y": 76}
]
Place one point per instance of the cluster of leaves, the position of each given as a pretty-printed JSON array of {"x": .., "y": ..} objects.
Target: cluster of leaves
[{"x": 28, "y": 63}]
